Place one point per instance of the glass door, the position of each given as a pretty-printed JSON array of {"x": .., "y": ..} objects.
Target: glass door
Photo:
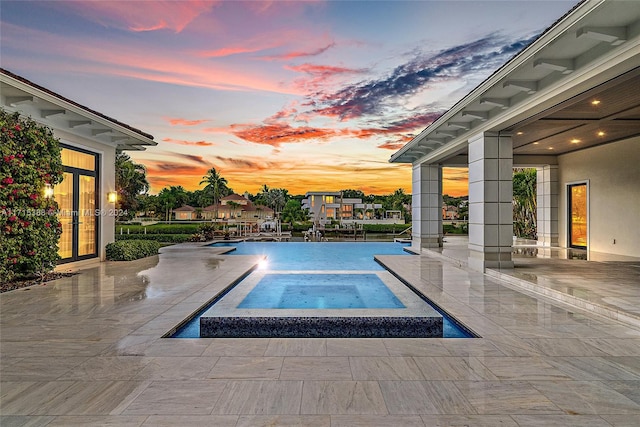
[
  {"x": 578, "y": 215},
  {"x": 77, "y": 197}
]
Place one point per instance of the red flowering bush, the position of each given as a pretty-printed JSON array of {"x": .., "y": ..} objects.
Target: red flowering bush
[{"x": 29, "y": 226}]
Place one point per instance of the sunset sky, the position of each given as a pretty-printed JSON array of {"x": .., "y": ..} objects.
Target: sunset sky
[{"x": 303, "y": 95}]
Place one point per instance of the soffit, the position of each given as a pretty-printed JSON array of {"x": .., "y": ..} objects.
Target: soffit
[{"x": 57, "y": 112}]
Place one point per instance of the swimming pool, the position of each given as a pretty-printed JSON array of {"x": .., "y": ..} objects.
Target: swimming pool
[
  {"x": 315, "y": 289},
  {"x": 318, "y": 255}
]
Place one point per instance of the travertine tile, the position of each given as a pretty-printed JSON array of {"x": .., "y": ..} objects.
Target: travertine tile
[
  {"x": 92, "y": 354},
  {"x": 468, "y": 420},
  {"x": 506, "y": 397},
  {"x": 586, "y": 397},
  {"x": 384, "y": 368},
  {"x": 522, "y": 368},
  {"x": 177, "y": 398},
  {"x": 38, "y": 368},
  {"x": 98, "y": 420},
  {"x": 296, "y": 347},
  {"x": 356, "y": 347},
  {"x": 239, "y": 347},
  {"x": 424, "y": 397},
  {"x": 376, "y": 421},
  {"x": 260, "y": 397},
  {"x": 191, "y": 420},
  {"x": 560, "y": 421},
  {"x": 342, "y": 397},
  {"x": 415, "y": 347},
  {"x": 284, "y": 421},
  {"x": 316, "y": 368},
  {"x": 87, "y": 398},
  {"x": 453, "y": 368},
  {"x": 247, "y": 367},
  {"x": 25, "y": 421},
  {"x": 176, "y": 368}
]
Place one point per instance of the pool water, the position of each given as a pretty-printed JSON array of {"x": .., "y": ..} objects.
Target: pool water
[
  {"x": 319, "y": 255},
  {"x": 320, "y": 291},
  {"x": 325, "y": 286}
]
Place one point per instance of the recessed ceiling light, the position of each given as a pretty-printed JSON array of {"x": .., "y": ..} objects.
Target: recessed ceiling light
[
  {"x": 601, "y": 133},
  {"x": 575, "y": 141},
  {"x": 550, "y": 148},
  {"x": 520, "y": 133},
  {"x": 595, "y": 102}
]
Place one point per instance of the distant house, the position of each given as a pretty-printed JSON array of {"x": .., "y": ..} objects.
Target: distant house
[
  {"x": 327, "y": 206},
  {"x": 185, "y": 213},
  {"x": 237, "y": 208},
  {"x": 89, "y": 142},
  {"x": 450, "y": 212}
]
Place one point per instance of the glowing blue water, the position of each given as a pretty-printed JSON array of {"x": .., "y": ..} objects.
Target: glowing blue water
[
  {"x": 319, "y": 255},
  {"x": 320, "y": 291}
]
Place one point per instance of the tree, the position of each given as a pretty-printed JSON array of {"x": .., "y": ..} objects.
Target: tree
[
  {"x": 131, "y": 184},
  {"x": 29, "y": 228},
  {"x": 352, "y": 194},
  {"x": 524, "y": 203},
  {"x": 293, "y": 211},
  {"x": 170, "y": 198},
  {"x": 233, "y": 206},
  {"x": 216, "y": 186}
]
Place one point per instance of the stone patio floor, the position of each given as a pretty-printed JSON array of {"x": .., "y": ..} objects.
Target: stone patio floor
[{"x": 88, "y": 350}]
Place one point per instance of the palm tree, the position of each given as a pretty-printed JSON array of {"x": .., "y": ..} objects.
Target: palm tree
[
  {"x": 131, "y": 183},
  {"x": 216, "y": 186}
]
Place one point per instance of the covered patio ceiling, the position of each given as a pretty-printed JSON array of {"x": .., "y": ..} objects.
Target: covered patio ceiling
[{"x": 575, "y": 87}]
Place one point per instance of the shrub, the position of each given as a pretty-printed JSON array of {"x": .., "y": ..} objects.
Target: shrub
[
  {"x": 385, "y": 228},
  {"x": 158, "y": 228},
  {"x": 128, "y": 250},
  {"x": 29, "y": 159},
  {"x": 165, "y": 238}
]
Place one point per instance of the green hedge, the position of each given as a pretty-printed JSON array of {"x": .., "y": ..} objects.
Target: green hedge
[
  {"x": 165, "y": 238},
  {"x": 385, "y": 228},
  {"x": 128, "y": 250},
  {"x": 158, "y": 229}
]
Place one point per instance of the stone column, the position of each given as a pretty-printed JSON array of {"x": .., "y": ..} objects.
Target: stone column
[
  {"x": 426, "y": 206},
  {"x": 490, "y": 201},
  {"x": 547, "y": 205}
]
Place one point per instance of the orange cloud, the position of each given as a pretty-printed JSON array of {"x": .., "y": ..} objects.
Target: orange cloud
[
  {"x": 185, "y": 122},
  {"x": 183, "y": 142},
  {"x": 279, "y": 133}
]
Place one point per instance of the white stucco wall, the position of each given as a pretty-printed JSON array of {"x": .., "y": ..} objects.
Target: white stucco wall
[{"x": 613, "y": 173}]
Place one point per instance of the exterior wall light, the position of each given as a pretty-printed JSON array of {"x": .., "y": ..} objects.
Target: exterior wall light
[
  {"x": 112, "y": 196},
  {"x": 48, "y": 191}
]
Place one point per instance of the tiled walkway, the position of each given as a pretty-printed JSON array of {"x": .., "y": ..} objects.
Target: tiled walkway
[{"x": 87, "y": 350}]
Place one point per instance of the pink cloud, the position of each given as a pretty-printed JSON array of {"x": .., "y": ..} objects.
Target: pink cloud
[
  {"x": 300, "y": 53},
  {"x": 135, "y": 60},
  {"x": 141, "y": 16},
  {"x": 185, "y": 122},
  {"x": 193, "y": 143}
]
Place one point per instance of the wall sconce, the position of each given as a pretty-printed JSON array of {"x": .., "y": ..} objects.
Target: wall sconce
[
  {"x": 112, "y": 196},
  {"x": 48, "y": 191}
]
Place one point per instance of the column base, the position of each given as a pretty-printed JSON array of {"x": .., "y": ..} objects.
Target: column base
[
  {"x": 480, "y": 261},
  {"x": 427, "y": 242}
]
